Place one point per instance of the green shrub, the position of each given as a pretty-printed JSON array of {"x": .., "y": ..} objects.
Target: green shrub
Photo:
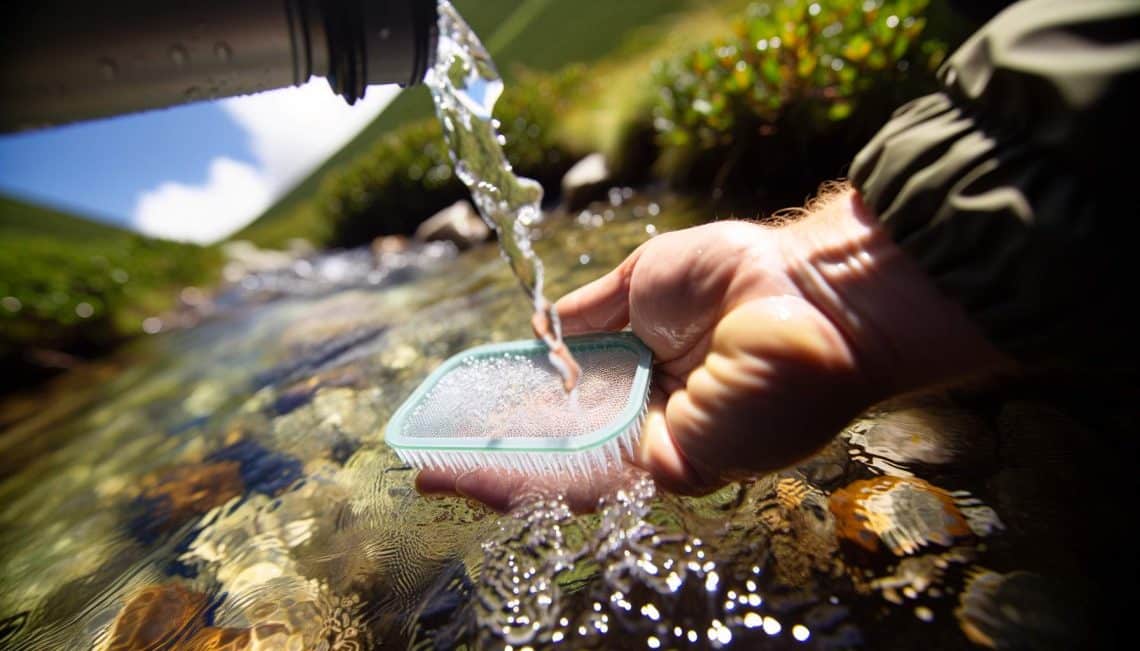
[
  {"x": 408, "y": 175},
  {"x": 74, "y": 286},
  {"x": 793, "y": 92}
]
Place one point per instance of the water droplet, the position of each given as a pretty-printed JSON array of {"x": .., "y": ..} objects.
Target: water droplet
[
  {"x": 223, "y": 52},
  {"x": 108, "y": 69},
  {"x": 179, "y": 56},
  {"x": 772, "y": 626}
]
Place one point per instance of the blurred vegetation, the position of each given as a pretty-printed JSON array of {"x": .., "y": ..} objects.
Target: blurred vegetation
[
  {"x": 74, "y": 286},
  {"x": 408, "y": 174},
  {"x": 753, "y": 102},
  {"x": 542, "y": 35},
  {"x": 793, "y": 91}
]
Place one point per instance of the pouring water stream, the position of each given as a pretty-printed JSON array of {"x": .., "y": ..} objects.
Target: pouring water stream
[{"x": 465, "y": 85}]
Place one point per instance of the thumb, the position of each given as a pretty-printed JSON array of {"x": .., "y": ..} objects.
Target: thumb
[{"x": 602, "y": 304}]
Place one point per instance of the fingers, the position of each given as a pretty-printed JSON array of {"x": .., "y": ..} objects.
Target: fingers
[
  {"x": 660, "y": 455},
  {"x": 602, "y": 304},
  {"x": 436, "y": 482},
  {"x": 498, "y": 490},
  {"x": 504, "y": 491}
]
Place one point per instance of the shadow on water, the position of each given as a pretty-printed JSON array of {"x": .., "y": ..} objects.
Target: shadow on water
[{"x": 227, "y": 486}]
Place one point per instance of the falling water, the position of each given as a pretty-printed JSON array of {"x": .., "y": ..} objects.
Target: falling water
[{"x": 465, "y": 86}]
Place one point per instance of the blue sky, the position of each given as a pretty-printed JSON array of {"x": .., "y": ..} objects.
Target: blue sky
[{"x": 196, "y": 172}]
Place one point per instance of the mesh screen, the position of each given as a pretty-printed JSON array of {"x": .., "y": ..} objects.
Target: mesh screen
[{"x": 520, "y": 395}]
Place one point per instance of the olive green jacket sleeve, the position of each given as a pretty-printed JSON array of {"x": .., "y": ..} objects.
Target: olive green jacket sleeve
[{"x": 1015, "y": 187}]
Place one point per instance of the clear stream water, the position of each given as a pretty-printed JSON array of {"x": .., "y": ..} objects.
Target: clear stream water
[{"x": 227, "y": 485}]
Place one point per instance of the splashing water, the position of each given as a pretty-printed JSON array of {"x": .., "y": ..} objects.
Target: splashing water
[{"x": 465, "y": 86}]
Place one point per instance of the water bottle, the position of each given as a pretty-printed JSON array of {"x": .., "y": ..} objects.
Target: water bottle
[{"x": 63, "y": 61}]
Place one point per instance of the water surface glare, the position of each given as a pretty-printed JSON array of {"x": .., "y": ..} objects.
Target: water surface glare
[{"x": 228, "y": 486}]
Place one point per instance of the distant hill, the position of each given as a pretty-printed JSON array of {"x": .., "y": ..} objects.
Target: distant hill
[
  {"x": 537, "y": 34},
  {"x": 20, "y": 218}
]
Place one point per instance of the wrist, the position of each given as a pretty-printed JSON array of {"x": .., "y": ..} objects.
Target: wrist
[{"x": 902, "y": 331}]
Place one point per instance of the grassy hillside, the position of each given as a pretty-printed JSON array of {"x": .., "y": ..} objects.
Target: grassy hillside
[
  {"x": 20, "y": 218},
  {"x": 537, "y": 34},
  {"x": 72, "y": 285}
]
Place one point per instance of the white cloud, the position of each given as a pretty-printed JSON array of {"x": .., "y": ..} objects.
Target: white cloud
[
  {"x": 291, "y": 131},
  {"x": 233, "y": 192}
]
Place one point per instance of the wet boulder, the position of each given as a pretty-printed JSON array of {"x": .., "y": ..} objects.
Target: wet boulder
[
  {"x": 585, "y": 182},
  {"x": 458, "y": 224}
]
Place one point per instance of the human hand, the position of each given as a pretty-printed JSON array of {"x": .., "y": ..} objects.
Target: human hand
[{"x": 767, "y": 341}]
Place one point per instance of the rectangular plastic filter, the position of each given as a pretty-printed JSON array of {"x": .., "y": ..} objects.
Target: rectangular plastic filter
[{"x": 503, "y": 406}]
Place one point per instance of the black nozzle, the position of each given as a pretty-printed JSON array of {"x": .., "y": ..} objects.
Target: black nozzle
[
  {"x": 67, "y": 60},
  {"x": 377, "y": 42}
]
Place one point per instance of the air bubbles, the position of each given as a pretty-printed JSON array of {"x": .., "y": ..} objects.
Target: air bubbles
[
  {"x": 801, "y": 633},
  {"x": 719, "y": 634},
  {"x": 650, "y": 611},
  {"x": 772, "y": 626},
  {"x": 84, "y": 310},
  {"x": 712, "y": 581}
]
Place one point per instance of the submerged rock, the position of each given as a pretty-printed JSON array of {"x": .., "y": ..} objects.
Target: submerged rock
[
  {"x": 1019, "y": 610},
  {"x": 173, "y": 497},
  {"x": 159, "y": 617},
  {"x": 262, "y": 470},
  {"x": 901, "y": 513}
]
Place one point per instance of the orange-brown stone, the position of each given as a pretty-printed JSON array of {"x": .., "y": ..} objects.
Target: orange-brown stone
[
  {"x": 904, "y": 513},
  {"x": 156, "y": 618}
]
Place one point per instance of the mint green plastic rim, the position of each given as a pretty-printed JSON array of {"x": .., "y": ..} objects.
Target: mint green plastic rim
[{"x": 639, "y": 392}]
